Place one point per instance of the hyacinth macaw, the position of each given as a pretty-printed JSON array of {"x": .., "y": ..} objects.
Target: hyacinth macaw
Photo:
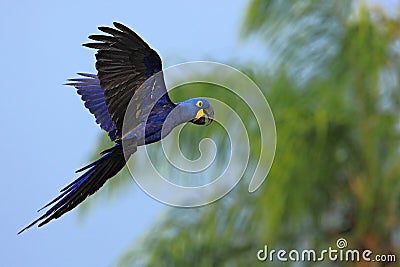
[{"x": 127, "y": 68}]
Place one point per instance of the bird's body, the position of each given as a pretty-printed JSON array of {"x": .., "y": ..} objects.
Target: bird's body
[{"x": 130, "y": 102}]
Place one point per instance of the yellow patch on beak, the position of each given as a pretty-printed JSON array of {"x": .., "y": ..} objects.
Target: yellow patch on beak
[{"x": 199, "y": 114}]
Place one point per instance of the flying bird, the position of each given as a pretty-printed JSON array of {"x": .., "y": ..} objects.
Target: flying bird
[{"x": 129, "y": 73}]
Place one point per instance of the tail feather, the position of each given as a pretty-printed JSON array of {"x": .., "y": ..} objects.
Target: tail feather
[
  {"x": 104, "y": 152},
  {"x": 69, "y": 187},
  {"x": 88, "y": 183}
]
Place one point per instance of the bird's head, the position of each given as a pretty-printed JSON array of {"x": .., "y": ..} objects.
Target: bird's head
[{"x": 197, "y": 109}]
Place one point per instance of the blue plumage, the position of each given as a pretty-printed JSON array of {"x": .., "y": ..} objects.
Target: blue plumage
[
  {"x": 128, "y": 71},
  {"x": 93, "y": 96}
]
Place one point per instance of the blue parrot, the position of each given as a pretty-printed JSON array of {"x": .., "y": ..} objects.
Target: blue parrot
[{"x": 129, "y": 72}]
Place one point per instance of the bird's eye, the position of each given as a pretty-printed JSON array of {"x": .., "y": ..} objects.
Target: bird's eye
[{"x": 199, "y": 103}]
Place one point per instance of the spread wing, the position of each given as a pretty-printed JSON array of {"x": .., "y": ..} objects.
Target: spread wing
[
  {"x": 124, "y": 62},
  {"x": 88, "y": 87}
]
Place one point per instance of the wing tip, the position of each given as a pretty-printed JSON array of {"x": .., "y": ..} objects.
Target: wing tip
[
  {"x": 81, "y": 81},
  {"x": 90, "y": 45},
  {"x": 118, "y": 24},
  {"x": 124, "y": 28},
  {"x": 84, "y": 74}
]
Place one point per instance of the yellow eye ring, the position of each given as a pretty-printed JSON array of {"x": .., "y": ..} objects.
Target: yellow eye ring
[{"x": 199, "y": 103}]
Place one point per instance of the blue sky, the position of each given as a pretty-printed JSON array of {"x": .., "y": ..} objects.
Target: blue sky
[{"x": 47, "y": 133}]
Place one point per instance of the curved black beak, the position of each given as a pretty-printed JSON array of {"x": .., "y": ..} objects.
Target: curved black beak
[
  {"x": 210, "y": 115},
  {"x": 209, "y": 112}
]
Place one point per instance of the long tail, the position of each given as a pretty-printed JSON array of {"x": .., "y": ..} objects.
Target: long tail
[{"x": 88, "y": 183}]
